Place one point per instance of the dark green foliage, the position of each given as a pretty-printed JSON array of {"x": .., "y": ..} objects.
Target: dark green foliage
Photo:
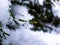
[
  {"x": 16, "y": 22},
  {"x": 1, "y": 43},
  {"x": 22, "y": 20},
  {"x": 48, "y": 13},
  {"x": 10, "y": 25},
  {"x": 15, "y": 2},
  {"x": 12, "y": 14},
  {"x": 42, "y": 14},
  {"x": 37, "y": 24},
  {"x": 56, "y": 22},
  {"x": 37, "y": 11},
  {"x": 2, "y": 33}
]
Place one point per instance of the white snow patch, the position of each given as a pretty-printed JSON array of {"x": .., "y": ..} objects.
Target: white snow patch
[
  {"x": 56, "y": 9},
  {"x": 4, "y": 11},
  {"x": 25, "y": 36}
]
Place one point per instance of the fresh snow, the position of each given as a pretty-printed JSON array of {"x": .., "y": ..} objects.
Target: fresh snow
[{"x": 23, "y": 35}]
